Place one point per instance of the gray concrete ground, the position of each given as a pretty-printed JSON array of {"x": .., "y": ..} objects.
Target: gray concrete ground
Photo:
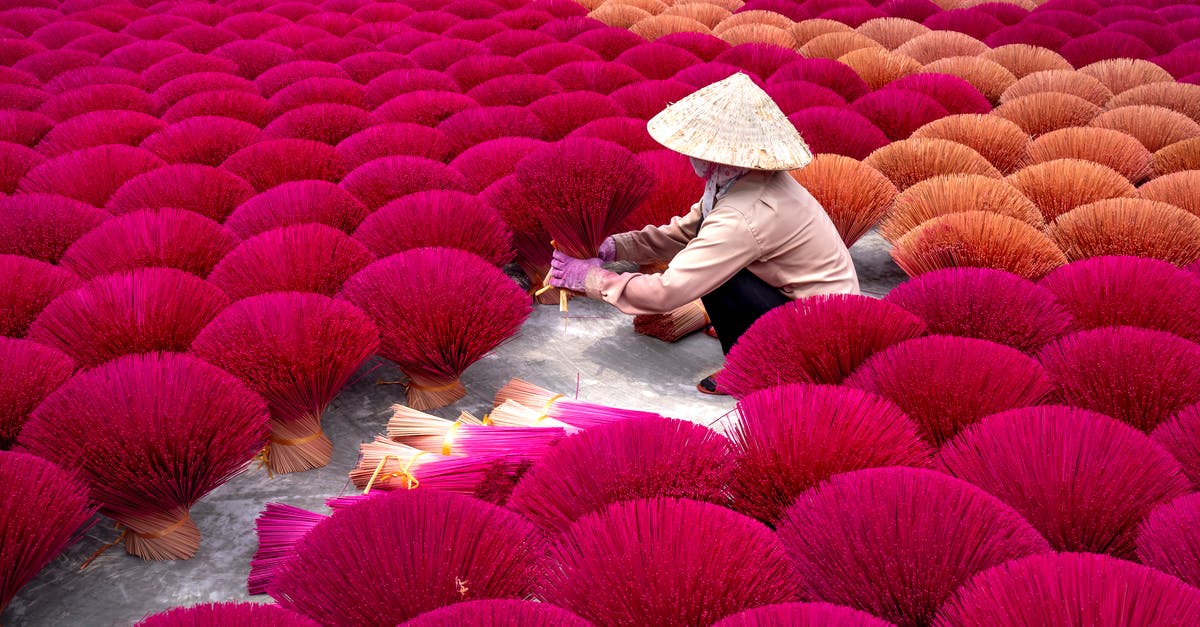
[{"x": 595, "y": 347}]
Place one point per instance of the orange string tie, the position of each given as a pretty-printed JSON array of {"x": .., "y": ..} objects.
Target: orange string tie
[
  {"x": 100, "y": 551},
  {"x": 448, "y": 441},
  {"x": 546, "y": 408},
  {"x": 411, "y": 479}
]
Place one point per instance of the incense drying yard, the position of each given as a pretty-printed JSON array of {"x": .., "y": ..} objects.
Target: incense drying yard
[{"x": 274, "y": 348}]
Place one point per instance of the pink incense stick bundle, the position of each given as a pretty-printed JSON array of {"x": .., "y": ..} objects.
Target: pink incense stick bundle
[
  {"x": 1070, "y": 589},
  {"x": 576, "y": 413},
  {"x": 1170, "y": 536},
  {"x": 675, "y": 324},
  {"x": 1129, "y": 291},
  {"x": 421, "y": 430},
  {"x": 211, "y": 192},
  {"x": 489, "y": 161},
  {"x": 148, "y": 309},
  {"x": 279, "y": 528},
  {"x": 204, "y": 140},
  {"x": 297, "y": 350},
  {"x": 676, "y": 187},
  {"x": 1083, "y": 480},
  {"x": 438, "y": 310},
  {"x": 26, "y": 287},
  {"x": 626, "y": 460},
  {"x": 228, "y": 615},
  {"x": 669, "y": 562},
  {"x": 585, "y": 188},
  {"x": 449, "y": 219},
  {"x": 1180, "y": 435},
  {"x": 896, "y": 542},
  {"x": 792, "y": 437},
  {"x": 90, "y": 175},
  {"x": 498, "y": 613},
  {"x": 945, "y": 383},
  {"x": 170, "y": 238},
  {"x": 802, "y": 615},
  {"x": 390, "y": 558},
  {"x": 820, "y": 339},
  {"x": 298, "y": 202},
  {"x": 42, "y": 226},
  {"x": 530, "y": 239},
  {"x": 151, "y": 434},
  {"x": 31, "y": 372},
  {"x": 1138, "y": 376},
  {"x": 387, "y": 465},
  {"x": 42, "y": 509},
  {"x": 302, "y": 258},
  {"x": 986, "y": 304}
]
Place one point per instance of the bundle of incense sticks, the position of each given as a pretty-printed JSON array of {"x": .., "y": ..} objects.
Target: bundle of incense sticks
[
  {"x": 573, "y": 412},
  {"x": 388, "y": 465},
  {"x": 673, "y": 325},
  {"x": 423, "y": 431}
]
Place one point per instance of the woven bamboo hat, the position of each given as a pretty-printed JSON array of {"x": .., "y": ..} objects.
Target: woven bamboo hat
[{"x": 731, "y": 122}]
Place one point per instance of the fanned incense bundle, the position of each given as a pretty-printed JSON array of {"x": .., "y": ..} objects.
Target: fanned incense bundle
[
  {"x": 171, "y": 238},
  {"x": 631, "y": 459},
  {"x": 1061, "y": 81},
  {"x": 489, "y": 161},
  {"x": 1083, "y": 480},
  {"x": 43, "y": 226},
  {"x": 1060, "y": 185},
  {"x": 989, "y": 77},
  {"x": 802, "y": 615},
  {"x": 1070, "y": 589},
  {"x": 1129, "y": 291},
  {"x": 911, "y": 161},
  {"x": 498, "y": 613},
  {"x": 26, "y": 287},
  {"x": 897, "y": 542},
  {"x": 854, "y": 209},
  {"x": 90, "y": 175},
  {"x": 675, "y": 324},
  {"x": 689, "y": 566},
  {"x": 132, "y": 428},
  {"x": 297, "y": 350},
  {"x": 838, "y": 130},
  {"x": 574, "y": 412},
  {"x": 270, "y": 163},
  {"x": 382, "y": 180},
  {"x": 1119, "y": 151},
  {"x": 1180, "y": 435},
  {"x": 144, "y": 310},
  {"x": 585, "y": 188},
  {"x": 1181, "y": 189},
  {"x": 325, "y": 122},
  {"x": 438, "y": 310},
  {"x": 1155, "y": 127},
  {"x": 228, "y": 615},
  {"x": 203, "y": 140},
  {"x": 31, "y": 372},
  {"x": 819, "y": 339},
  {"x": 210, "y": 192},
  {"x": 43, "y": 508},
  {"x": 1045, "y": 112},
  {"x": 443, "y": 218},
  {"x": 298, "y": 202},
  {"x": 1001, "y": 142},
  {"x": 1178, "y": 157},
  {"x": 1169, "y": 537},
  {"x": 1025, "y": 58},
  {"x": 95, "y": 128},
  {"x": 946, "y": 383},
  {"x": 956, "y": 193},
  {"x": 987, "y": 304},
  {"x": 1128, "y": 226},
  {"x": 302, "y": 258},
  {"x": 373, "y": 564},
  {"x": 792, "y": 437},
  {"x": 230, "y": 103},
  {"x": 1138, "y": 376},
  {"x": 979, "y": 239}
]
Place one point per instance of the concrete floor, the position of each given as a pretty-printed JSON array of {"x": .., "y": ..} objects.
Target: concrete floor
[{"x": 596, "y": 346}]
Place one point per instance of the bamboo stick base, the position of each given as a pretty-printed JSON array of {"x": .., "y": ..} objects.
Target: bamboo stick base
[
  {"x": 159, "y": 537},
  {"x": 297, "y": 445},
  {"x": 426, "y": 395}
]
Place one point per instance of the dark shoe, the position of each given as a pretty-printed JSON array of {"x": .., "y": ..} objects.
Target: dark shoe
[{"x": 708, "y": 385}]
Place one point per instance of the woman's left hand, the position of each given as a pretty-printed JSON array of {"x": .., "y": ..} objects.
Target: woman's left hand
[{"x": 570, "y": 273}]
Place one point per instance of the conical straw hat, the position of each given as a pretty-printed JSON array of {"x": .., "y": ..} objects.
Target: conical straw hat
[{"x": 732, "y": 122}]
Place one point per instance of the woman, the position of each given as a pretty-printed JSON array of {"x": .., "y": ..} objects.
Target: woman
[{"x": 756, "y": 240}]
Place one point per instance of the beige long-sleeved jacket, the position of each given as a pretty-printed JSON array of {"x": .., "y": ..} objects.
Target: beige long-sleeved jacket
[{"x": 767, "y": 223}]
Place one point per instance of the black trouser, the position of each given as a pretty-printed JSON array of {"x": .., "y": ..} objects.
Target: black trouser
[{"x": 740, "y": 301}]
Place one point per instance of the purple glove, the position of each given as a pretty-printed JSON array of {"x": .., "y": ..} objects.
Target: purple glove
[
  {"x": 570, "y": 273},
  {"x": 608, "y": 250}
]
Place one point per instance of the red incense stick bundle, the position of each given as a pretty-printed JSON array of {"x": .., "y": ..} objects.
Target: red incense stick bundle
[
  {"x": 279, "y": 527},
  {"x": 578, "y": 414},
  {"x": 228, "y": 615},
  {"x": 439, "y": 310},
  {"x": 673, "y": 325},
  {"x": 151, "y": 434},
  {"x": 42, "y": 507},
  {"x": 297, "y": 350},
  {"x": 387, "y": 465}
]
